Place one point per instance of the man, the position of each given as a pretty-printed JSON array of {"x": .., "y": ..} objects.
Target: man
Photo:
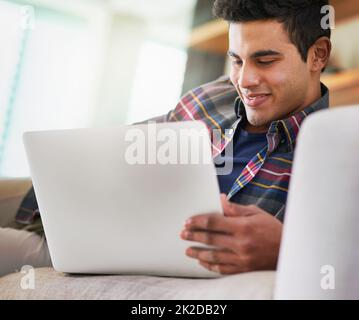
[{"x": 278, "y": 51}]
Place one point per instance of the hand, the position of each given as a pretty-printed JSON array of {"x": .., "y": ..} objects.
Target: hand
[{"x": 246, "y": 238}]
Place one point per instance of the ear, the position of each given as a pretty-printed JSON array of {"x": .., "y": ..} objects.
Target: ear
[{"x": 319, "y": 54}]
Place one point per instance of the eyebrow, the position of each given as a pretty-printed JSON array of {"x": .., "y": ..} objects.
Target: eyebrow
[{"x": 257, "y": 54}]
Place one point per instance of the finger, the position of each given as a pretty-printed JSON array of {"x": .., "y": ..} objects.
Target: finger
[
  {"x": 231, "y": 209},
  {"x": 221, "y": 268},
  {"x": 212, "y": 255},
  {"x": 210, "y": 222},
  {"x": 210, "y": 238}
]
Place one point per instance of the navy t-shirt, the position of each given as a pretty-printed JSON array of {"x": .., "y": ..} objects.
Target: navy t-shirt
[{"x": 245, "y": 146}]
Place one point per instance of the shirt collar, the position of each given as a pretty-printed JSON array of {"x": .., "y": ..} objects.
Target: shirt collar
[{"x": 287, "y": 128}]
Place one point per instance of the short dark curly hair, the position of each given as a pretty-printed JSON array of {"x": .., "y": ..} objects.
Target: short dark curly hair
[{"x": 301, "y": 18}]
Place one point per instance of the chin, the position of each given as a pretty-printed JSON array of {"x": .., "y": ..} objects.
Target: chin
[{"x": 256, "y": 120}]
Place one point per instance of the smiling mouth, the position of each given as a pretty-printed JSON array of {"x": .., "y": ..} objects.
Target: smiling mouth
[
  {"x": 255, "y": 100},
  {"x": 257, "y": 96}
]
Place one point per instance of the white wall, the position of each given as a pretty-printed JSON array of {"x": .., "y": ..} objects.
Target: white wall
[
  {"x": 125, "y": 39},
  {"x": 81, "y": 69}
]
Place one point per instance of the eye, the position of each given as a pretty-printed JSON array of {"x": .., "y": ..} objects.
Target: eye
[
  {"x": 266, "y": 62},
  {"x": 237, "y": 62}
]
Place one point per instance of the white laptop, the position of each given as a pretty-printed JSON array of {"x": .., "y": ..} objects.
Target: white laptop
[{"x": 109, "y": 202}]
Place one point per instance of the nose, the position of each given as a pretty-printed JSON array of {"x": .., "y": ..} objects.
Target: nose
[{"x": 248, "y": 77}]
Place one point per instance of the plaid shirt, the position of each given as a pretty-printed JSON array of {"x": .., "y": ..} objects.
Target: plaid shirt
[{"x": 265, "y": 179}]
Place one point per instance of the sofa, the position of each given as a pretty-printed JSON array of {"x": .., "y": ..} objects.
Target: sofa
[
  {"x": 50, "y": 284},
  {"x": 313, "y": 241}
]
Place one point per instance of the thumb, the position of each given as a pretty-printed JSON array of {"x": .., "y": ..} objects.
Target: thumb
[{"x": 231, "y": 209}]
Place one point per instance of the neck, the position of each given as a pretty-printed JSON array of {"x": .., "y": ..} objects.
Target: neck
[
  {"x": 312, "y": 96},
  {"x": 254, "y": 129}
]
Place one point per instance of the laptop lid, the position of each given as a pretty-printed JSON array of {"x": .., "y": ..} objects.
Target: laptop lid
[{"x": 114, "y": 200}]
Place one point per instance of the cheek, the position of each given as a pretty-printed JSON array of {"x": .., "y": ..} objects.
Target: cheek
[
  {"x": 277, "y": 81},
  {"x": 233, "y": 75},
  {"x": 287, "y": 79},
  {"x": 287, "y": 87},
  {"x": 283, "y": 90}
]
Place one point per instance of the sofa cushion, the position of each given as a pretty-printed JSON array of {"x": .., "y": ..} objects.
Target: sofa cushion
[{"x": 50, "y": 284}]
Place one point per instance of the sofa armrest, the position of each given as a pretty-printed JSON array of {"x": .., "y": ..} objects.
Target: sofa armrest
[
  {"x": 13, "y": 187},
  {"x": 12, "y": 191}
]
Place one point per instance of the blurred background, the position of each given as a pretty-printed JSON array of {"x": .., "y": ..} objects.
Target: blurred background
[{"x": 83, "y": 63}]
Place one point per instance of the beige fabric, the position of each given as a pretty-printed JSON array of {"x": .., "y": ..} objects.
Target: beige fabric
[
  {"x": 19, "y": 248},
  {"x": 50, "y": 284}
]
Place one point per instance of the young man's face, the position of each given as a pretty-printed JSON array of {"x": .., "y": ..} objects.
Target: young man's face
[{"x": 268, "y": 72}]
